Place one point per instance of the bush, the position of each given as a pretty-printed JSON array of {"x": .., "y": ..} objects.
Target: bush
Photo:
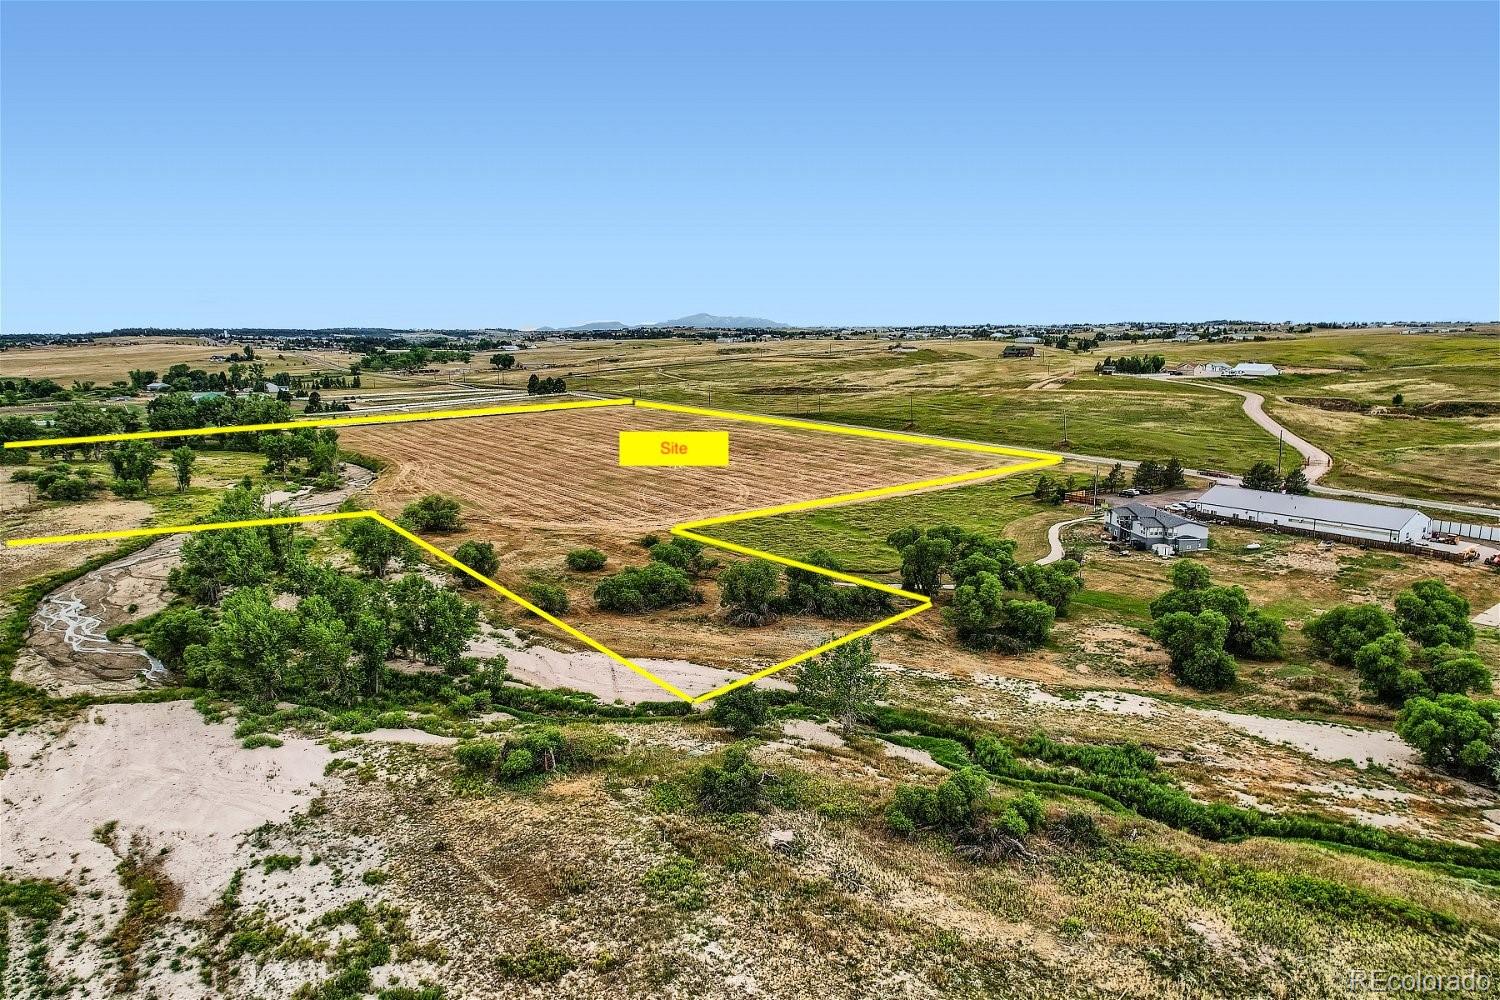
[
  {"x": 1433, "y": 615},
  {"x": 1344, "y": 630},
  {"x": 648, "y": 588},
  {"x": 1195, "y": 643},
  {"x": 585, "y": 560},
  {"x": 478, "y": 556},
  {"x": 734, "y": 787},
  {"x": 478, "y": 756},
  {"x": 684, "y": 554},
  {"x": 1455, "y": 733},
  {"x": 747, "y": 590},
  {"x": 549, "y": 597},
  {"x": 740, "y": 711},
  {"x": 433, "y": 512},
  {"x": 517, "y": 764}
]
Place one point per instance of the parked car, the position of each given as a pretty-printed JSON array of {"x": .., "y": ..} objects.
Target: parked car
[{"x": 1132, "y": 492}]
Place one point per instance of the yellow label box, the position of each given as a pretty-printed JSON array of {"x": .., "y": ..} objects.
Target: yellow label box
[{"x": 639, "y": 448}]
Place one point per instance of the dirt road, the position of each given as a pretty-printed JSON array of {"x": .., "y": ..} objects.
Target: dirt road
[{"x": 1316, "y": 461}]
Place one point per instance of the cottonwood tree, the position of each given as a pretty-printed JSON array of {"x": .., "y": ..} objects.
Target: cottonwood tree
[
  {"x": 845, "y": 681},
  {"x": 374, "y": 547},
  {"x": 183, "y": 460},
  {"x": 132, "y": 463}
]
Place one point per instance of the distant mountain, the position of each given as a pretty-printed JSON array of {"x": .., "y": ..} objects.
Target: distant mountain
[
  {"x": 584, "y": 328},
  {"x": 705, "y": 321}
]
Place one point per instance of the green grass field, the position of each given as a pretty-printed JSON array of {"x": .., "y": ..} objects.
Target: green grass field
[
  {"x": 965, "y": 389},
  {"x": 856, "y": 533}
]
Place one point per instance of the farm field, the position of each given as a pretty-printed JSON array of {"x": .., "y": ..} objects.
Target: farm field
[
  {"x": 1292, "y": 736},
  {"x": 562, "y": 469},
  {"x": 108, "y": 359}
]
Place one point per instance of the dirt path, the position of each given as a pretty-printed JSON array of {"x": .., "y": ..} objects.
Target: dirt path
[
  {"x": 68, "y": 651},
  {"x": 1317, "y": 462},
  {"x": 1054, "y": 539}
]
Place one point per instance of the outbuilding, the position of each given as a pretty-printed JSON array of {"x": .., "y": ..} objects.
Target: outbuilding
[{"x": 1323, "y": 515}]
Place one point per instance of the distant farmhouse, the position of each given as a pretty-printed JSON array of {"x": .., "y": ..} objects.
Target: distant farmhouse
[
  {"x": 1194, "y": 369},
  {"x": 1318, "y": 514},
  {"x": 1018, "y": 351},
  {"x": 1150, "y": 527}
]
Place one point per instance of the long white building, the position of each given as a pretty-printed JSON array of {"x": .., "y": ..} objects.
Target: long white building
[{"x": 1342, "y": 517}]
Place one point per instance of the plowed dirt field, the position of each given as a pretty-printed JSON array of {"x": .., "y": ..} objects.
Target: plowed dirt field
[{"x": 561, "y": 469}]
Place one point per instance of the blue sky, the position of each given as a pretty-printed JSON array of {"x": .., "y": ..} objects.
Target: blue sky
[{"x": 481, "y": 165}]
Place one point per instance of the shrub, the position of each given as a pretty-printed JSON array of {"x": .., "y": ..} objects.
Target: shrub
[
  {"x": 1433, "y": 615},
  {"x": 747, "y": 590},
  {"x": 648, "y": 588},
  {"x": 478, "y": 756},
  {"x": 740, "y": 711},
  {"x": 517, "y": 764},
  {"x": 734, "y": 787},
  {"x": 1195, "y": 643},
  {"x": 549, "y": 597},
  {"x": 684, "y": 554},
  {"x": 585, "y": 560},
  {"x": 1454, "y": 732},
  {"x": 1344, "y": 630},
  {"x": 433, "y": 512},
  {"x": 478, "y": 556}
]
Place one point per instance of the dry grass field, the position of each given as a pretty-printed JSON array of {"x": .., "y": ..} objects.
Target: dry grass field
[
  {"x": 561, "y": 469},
  {"x": 108, "y": 359}
]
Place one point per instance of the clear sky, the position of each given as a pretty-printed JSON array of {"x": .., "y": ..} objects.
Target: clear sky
[{"x": 484, "y": 165}]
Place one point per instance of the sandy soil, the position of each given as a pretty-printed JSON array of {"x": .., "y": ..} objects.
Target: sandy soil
[
  {"x": 597, "y": 674},
  {"x": 158, "y": 771},
  {"x": 1325, "y": 740}
]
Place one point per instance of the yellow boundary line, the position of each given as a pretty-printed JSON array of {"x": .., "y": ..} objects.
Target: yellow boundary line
[{"x": 688, "y": 529}]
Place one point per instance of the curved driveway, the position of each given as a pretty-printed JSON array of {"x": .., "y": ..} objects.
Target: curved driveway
[{"x": 1316, "y": 461}]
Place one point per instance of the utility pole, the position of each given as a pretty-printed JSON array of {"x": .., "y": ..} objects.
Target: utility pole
[
  {"x": 1280, "y": 446},
  {"x": 909, "y": 418}
]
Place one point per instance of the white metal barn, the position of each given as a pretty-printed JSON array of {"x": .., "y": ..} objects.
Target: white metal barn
[{"x": 1341, "y": 517}]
